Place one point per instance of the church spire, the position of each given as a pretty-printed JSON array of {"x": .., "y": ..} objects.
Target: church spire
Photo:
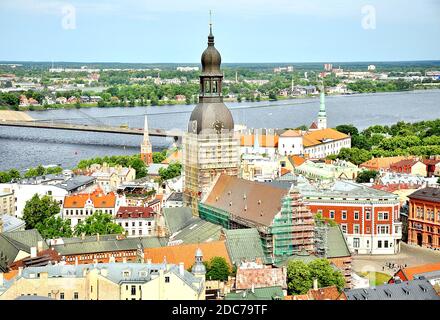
[
  {"x": 146, "y": 148},
  {"x": 211, "y": 36},
  {"x": 322, "y": 115}
]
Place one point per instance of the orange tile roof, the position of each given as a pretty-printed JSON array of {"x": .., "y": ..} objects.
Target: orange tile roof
[
  {"x": 284, "y": 171},
  {"x": 291, "y": 133},
  {"x": 185, "y": 253},
  {"x": 410, "y": 272},
  {"x": 98, "y": 197},
  {"x": 297, "y": 160},
  {"x": 313, "y": 138},
  {"x": 263, "y": 140},
  {"x": 381, "y": 163},
  {"x": 10, "y": 275},
  {"x": 176, "y": 156}
]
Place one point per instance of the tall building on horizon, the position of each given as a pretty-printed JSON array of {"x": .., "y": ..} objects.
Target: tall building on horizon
[
  {"x": 146, "y": 148},
  {"x": 210, "y": 147}
]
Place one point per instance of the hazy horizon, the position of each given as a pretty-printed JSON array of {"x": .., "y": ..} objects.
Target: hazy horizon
[{"x": 246, "y": 31}]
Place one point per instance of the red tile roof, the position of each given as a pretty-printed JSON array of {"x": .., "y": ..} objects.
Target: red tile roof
[
  {"x": 404, "y": 163},
  {"x": 327, "y": 293},
  {"x": 260, "y": 278},
  {"x": 134, "y": 212}
]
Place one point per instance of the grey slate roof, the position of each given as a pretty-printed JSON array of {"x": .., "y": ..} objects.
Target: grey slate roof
[
  {"x": 11, "y": 223},
  {"x": 76, "y": 246},
  {"x": 266, "y": 293},
  {"x": 76, "y": 182},
  {"x": 177, "y": 218},
  {"x": 337, "y": 245},
  {"x": 11, "y": 243},
  {"x": 139, "y": 272},
  {"x": 198, "y": 230},
  {"x": 244, "y": 245},
  {"x": 407, "y": 290}
]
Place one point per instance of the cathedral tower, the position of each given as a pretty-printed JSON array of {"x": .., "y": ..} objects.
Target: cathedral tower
[{"x": 210, "y": 146}]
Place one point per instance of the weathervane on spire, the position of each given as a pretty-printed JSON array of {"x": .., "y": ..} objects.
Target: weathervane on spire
[{"x": 210, "y": 21}]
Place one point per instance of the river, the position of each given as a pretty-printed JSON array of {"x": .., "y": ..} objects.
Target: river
[{"x": 22, "y": 148}]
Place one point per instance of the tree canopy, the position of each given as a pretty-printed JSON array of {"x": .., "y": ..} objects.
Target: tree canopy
[
  {"x": 300, "y": 276},
  {"x": 366, "y": 175},
  {"x": 37, "y": 210},
  {"x": 98, "y": 222},
  {"x": 173, "y": 170}
]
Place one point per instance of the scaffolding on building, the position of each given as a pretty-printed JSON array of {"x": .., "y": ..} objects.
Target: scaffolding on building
[
  {"x": 321, "y": 239},
  {"x": 293, "y": 227},
  {"x": 207, "y": 155}
]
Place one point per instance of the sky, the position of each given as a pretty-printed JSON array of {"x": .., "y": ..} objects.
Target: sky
[{"x": 246, "y": 31}]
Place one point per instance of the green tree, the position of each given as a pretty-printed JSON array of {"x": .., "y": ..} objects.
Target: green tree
[
  {"x": 54, "y": 227},
  {"x": 14, "y": 174},
  {"x": 158, "y": 157},
  {"x": 321, "y": 270},
  {"x": 39, "y": 209},
  {"x": 173, "y": 170},
  {"x": 137, "y": 164},
  {"x": 300, "y": 276},
  {"x": 354, "y": 155},
  {"x": 5, "y": 177},
  {"x": 366, "y": 175},
  {"x": 218, "y": 269},
  {"x": 299, "y": 279},
  {"x": 98, "y": 222},
  {"x": 348, "y": 129}
]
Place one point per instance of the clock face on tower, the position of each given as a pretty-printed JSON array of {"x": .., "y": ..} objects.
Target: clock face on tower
[{"x": 218, "y": 126}]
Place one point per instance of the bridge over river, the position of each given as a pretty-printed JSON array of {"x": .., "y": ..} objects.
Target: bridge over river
[{"x": 21, "y": 119}]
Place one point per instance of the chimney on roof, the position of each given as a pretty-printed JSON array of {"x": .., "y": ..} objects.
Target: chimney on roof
[
  {"x": 33, "y": 252},
  {"x": 40, "y": 246},
  {"x": 315, "y": 284},
  {"x": 181, "y": 269}
]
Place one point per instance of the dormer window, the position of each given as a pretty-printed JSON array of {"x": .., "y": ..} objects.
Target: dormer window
[{"x": 126, "y": 273}]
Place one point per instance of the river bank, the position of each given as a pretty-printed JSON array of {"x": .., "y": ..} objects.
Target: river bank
[{"x": 70, "y": 106}]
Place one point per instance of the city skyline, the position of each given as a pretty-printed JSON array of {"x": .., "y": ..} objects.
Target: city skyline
[{"x": 151, "y": 31}]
